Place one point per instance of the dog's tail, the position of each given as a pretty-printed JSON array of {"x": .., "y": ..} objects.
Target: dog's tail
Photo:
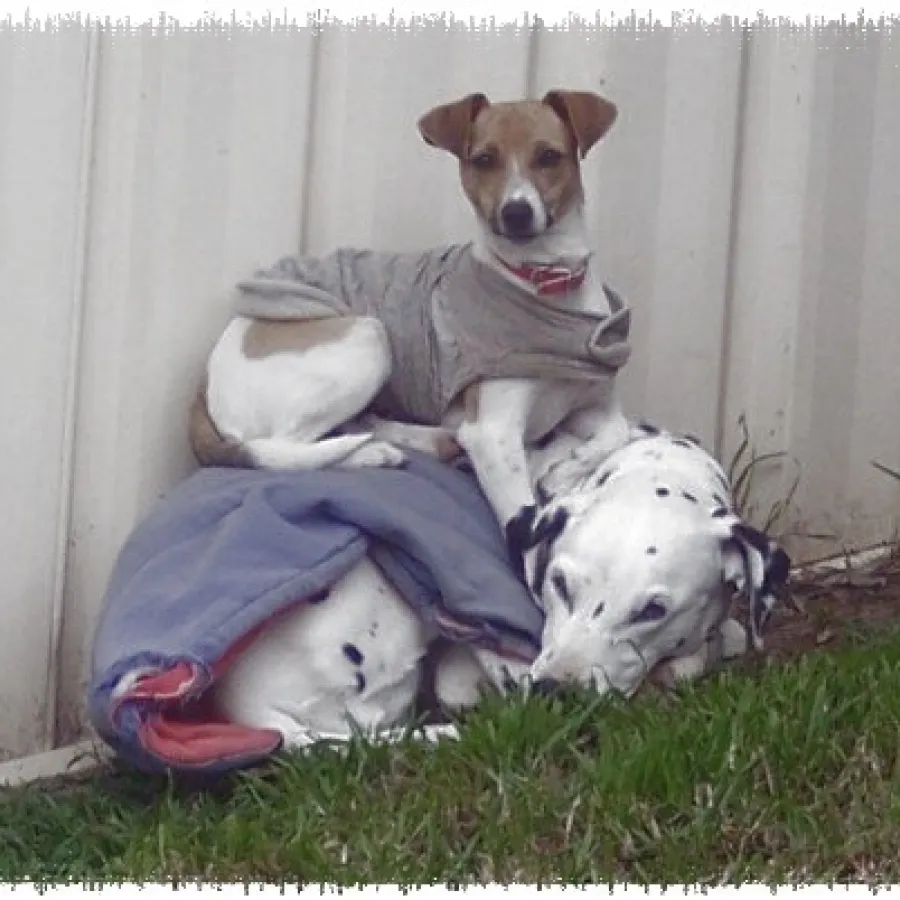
[{"x": 212, "y": 449}]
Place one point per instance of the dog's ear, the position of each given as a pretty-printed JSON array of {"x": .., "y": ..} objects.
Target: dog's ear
[
  {"x": 449, "y": 126},
  {"x": 755, "y": 565},
  {"x": 587, "y": 115}
]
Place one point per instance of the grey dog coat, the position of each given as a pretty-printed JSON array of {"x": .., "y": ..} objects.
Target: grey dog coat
[{"x": 450, "y": 319}]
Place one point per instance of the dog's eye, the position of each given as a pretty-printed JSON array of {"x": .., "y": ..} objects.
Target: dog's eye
[
  {"x": 548, "y": 158},
  {"x": 483, "y": 160},
  {"x": 652, "y": 611}
]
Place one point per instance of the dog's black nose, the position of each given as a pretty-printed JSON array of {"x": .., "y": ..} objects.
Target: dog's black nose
[
  {"x": 517, "y": 217},
  {"x": 544, "y": 687}
]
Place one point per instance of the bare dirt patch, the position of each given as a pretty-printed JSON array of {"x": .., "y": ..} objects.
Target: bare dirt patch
[{"x": 825, "y": 610}]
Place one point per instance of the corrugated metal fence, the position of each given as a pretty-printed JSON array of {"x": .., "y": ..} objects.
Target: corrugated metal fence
[{"x": 747, "y": 203}]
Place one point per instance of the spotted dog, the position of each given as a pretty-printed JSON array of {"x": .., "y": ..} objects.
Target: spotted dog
[{"x": 636, "y": 561}]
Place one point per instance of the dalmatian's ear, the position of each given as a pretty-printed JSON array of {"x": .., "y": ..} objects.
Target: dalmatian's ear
[{"x": 755, "y": 565}]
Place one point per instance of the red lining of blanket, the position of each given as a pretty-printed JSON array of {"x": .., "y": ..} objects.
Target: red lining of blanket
[{"x": 192, "y": 734}]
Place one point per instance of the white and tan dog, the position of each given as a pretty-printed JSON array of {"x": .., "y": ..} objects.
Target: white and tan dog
[
  {"x": 636, "y": 567},
  {"x": 488, "y": 346}
]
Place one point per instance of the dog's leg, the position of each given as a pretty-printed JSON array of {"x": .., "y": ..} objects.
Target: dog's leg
[
  {"x": 603, "y": 429},
  {"x": 350, "y": 451},
  {"x": 463, "y": 674},
  {"x": 459, "y": 679},
  {"x": 727, "y": 641},
  {"x": 734, "y": 639},
  {"x": 276, "y": 390},
  {"x": 438, "y": 442},
  {"x": 493, "y": 435}
]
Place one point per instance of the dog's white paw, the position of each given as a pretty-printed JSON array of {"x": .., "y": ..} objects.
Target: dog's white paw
[
  {"x": 734, "y": 639},
  {"x": 458, "y": 679},
  {"x": 689, "y": 668},
  {"x": 566, "y": 476},
  {"x": 375, "y": 454}
]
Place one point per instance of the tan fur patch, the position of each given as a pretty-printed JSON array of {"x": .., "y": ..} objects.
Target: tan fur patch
[
  {"x": 447, "y": 448},
  {"x": 209, "y": 447},
  {"x": 531, "y": 135},
  {"x": 265, "y": 338}
]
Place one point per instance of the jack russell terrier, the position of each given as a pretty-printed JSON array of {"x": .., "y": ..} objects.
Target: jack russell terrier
[
  {"x": 636, "y": 569},
  {"x": 487, "y": 346}
]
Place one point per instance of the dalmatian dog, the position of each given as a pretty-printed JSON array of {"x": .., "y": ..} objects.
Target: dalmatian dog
[{"x": 636, "y": 561}]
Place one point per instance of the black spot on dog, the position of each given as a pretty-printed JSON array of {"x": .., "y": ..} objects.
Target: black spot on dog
[
  {"x": 662, "y": 492},
  {"x": 544, "y": 496},
  {"x": 689, "y": 497},
  {"x": 321, "y": 597},
  {"x": 360, "y": 682},
  {"x": 562, "y": 588},
  {"x": 352, "y": 652},
  {"x": 719, "y": 513},
  {"x": 541, "y": 561},
  {"x": 680, "y": 643},
  {"x": 599, "y": 610},
  {"x": 546, "y": 440},
  {"x": 547, "y": 529},
  {"x": 550, "y": 525},
  {"x": 719, "y": 500},
  {"x": 651, "y": 551},
  {"x": 604, "y": 477},
  {"x": 648, "y": 428},
  {"x": 753, "y": 537},
  {"x": 779, "y": 568},
  {"x": 520, "y": 536}
]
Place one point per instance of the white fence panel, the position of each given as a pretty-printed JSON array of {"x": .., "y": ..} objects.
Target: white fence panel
[
  {"x": 374, "y": 182},
  {"x": 42, "y": 104},
  {"x": 199, "y": 179},
  {"x": 815, "y": 323}
]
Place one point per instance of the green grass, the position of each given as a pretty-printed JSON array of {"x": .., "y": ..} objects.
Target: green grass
[{"x": 791, "y": 774}]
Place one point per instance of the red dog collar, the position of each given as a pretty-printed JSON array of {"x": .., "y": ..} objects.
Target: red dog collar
[{"x": 549, "y": 280}]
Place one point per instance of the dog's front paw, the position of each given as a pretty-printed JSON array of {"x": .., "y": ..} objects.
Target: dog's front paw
[
  {"x": 375, "y": 454},
  {"x": 565, "y": 476},
  {"x": 734, "y": 639},
  {"x": 519, "y": 530},
  {"x": 459, "y": 680}
]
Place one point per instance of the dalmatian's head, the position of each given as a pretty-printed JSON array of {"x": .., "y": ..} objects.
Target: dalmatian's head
[{"x": 640, "y": 565}]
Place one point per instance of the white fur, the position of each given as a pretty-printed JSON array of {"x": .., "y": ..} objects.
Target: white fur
[
  {"x": 297, "y": 678},
  {"x": 520, "y": 188},
  {"x": 602, "y": 572}
]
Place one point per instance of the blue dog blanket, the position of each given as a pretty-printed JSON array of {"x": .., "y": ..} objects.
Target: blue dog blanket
[{"x": 228, "y": 549}]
